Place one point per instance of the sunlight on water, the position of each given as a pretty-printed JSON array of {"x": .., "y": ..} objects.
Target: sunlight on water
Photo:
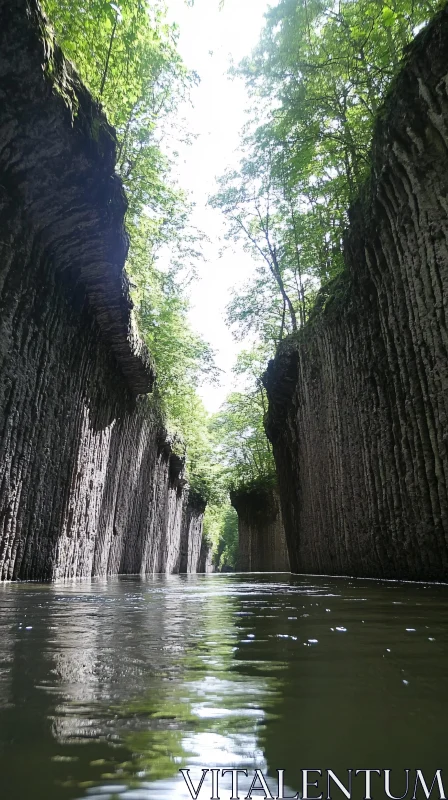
[{"x": 108, "y": 688}]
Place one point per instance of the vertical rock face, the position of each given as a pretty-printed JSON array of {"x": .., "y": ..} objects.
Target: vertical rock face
[
  {"x": 359, "y": 401},
  {"x": 206, "y": 558},
  {"x": 88, "y": 482},
  {"x": 262, "y": 543},
  {"x": 191, "y": 541}
]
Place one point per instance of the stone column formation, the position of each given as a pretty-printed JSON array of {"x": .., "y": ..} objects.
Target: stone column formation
[
  {"x": 262, "y": 542},
  {"x": 358, "y": 410},
  {"x": 89, "y": 484}
]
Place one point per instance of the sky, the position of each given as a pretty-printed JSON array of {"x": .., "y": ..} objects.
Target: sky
[{"x": 209, "y": 38}]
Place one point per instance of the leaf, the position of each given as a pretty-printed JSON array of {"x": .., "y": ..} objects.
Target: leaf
[{"x": 388, "y": 16}]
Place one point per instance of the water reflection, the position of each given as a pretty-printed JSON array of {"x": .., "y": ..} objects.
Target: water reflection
[{"x": 109, "y": 687}]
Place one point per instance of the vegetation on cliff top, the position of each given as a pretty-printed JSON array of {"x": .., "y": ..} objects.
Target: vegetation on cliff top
[{"x": 242, "y": 447}]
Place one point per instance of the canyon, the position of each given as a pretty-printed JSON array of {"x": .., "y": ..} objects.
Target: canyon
[{"x": 91, "y": 482}]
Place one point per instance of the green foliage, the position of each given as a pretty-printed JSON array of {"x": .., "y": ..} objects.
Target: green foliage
[
  {"x": 126, "y": 54},
  {"x": 242, "y": 455},
  {"x": 287, "y": 235},
  {"x": 244, "y": 451},
  {"x": 318, "y": 74},
  {"x": 227, "y": 553},
  {"x": 221, "y": 530},
  {"x": 328, "y": 67},
  {"x": 183, "y": 361},
  {"x": 316, "y": 80}
]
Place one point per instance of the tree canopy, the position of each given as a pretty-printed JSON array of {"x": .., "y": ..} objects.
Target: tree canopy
[{"x": 242, "y": 447}]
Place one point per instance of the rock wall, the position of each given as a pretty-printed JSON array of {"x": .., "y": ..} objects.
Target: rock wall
[
  {"x": 89, "y": 484},
  {"x": 262, "y": 542},
  {"x": 359, "y": 401},
  {"x": 206, "y": 558},
  {"x": 191, "y": 557}
]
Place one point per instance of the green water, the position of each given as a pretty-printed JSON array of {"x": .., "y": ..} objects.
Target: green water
[{"x": 107, "y": 688}]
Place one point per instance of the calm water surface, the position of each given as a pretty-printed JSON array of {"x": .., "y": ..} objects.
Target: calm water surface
[{"x": 107, "y": 688}]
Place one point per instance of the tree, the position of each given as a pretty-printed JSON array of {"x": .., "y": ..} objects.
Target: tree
[
  {"x": 316, "y": 81},
  {"x": 244, "y": 451},
  {"x": 294, "y": 235},
  {"x": 249, "y": 201},
  {"x": 319, "y": 73},
  {"x": 323, "y": 68},
  {"x": 221, "y": 530},
  {"x": 126, "y": 54}
]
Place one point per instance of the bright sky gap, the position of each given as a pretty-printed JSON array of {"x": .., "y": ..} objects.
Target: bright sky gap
[{"x": 209, "y": 40}]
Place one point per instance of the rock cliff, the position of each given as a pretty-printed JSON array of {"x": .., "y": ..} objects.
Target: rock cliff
[
  {"x": 89, "y": 484},
  {"x": 262, "y": 542},
  {"x": 359, "y": 400}
]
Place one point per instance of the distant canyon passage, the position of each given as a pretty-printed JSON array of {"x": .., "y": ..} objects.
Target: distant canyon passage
[
  {"x": 359, "y": 398},
  {"x": 89, "y": 484}
]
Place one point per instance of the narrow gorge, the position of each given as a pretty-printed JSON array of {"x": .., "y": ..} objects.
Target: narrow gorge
[
  {"x": 89, "y": 481},
  {"x": 223, "y": 417}
]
